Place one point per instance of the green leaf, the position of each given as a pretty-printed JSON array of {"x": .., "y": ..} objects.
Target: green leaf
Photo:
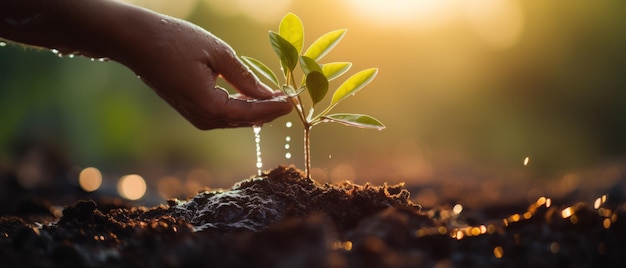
[
  {"x": 287, "y": 53},
  {"x": 262, "y": 69},
  {"x": 291, "y": 92},
  {"x": 309, "y": 65},
  {"x": 355, "y": 120},
  {"x": 292, "y": 30},
  {"x": 353, "y": 84},
  {"x": 324, "y": 44},
  {"x": 317, "y": 84},
  {"x": 335, "y": 69}
]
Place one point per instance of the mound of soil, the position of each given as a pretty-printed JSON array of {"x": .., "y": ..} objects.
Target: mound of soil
[{"x": 282, "y": 219}]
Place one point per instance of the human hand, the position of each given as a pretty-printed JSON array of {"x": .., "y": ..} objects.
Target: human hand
[
  {"x": 181, "y": 63},
  {"x": 177, "y": 59}
]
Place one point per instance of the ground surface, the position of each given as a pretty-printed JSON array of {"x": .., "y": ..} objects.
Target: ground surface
[{"x": 285, "y": 220}]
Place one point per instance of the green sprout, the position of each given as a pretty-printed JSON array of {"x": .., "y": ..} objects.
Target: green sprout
[{"x": 288, "y": 44}]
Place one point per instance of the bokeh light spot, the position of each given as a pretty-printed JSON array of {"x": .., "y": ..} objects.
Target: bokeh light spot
[
  {"x": 498, "y": 252},
  {"x": 90, "y": 179},
  {"x": 131, "y": 187},
  {"x": 170, "y": 187}
]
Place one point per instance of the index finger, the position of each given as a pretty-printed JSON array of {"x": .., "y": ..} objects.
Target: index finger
[{"x": 236, "y": 73}]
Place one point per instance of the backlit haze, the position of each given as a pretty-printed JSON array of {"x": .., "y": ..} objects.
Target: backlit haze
[{"x": 495, "y": 88}]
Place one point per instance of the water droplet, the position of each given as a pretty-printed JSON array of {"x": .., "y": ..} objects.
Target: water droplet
[
  {"x": 3, "y": 44},
  {"x": 526, "y": 161},
  {"x": 330, "y": 156},
  {"x": 257, "y": 140},
  {"x": 92, "y": 59},
  {"x": 54, "y": 51},
  {"x": 71, "y": 56},
  {"x": 287, "y": 140}
]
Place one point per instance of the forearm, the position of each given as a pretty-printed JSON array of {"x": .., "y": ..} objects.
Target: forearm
[{"x": 95, "y": 28}]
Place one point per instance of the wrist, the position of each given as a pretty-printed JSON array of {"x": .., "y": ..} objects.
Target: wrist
[{"x": 95, "y": 28}]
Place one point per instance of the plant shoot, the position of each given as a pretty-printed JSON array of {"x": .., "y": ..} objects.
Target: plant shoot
[{"x": 313, "y": 77}]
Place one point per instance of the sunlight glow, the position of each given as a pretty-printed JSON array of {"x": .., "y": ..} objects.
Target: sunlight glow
[
  {"x": 90, "y": 179},
  {"x": 131, "y": 187},
  {"x": 498, "y": 22},
  {"x": 420, "y": 14}
]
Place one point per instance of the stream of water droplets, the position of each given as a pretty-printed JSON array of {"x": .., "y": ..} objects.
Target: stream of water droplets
[
  {"x": 287, "y": 140},
  {"x": 257, "y": 140}
]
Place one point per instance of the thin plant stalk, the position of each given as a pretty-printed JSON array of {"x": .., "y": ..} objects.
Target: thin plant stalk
[{"x": 307, "y": 151}]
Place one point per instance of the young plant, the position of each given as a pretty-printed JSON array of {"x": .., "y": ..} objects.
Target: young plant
[{"x": 288, "y": 43}]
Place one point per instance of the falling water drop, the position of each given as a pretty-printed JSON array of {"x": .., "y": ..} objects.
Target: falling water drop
[
  {"x": 287, "y": 146},
  {"x": 287, "y": 140},
  {"x": 257, "y": 141}
]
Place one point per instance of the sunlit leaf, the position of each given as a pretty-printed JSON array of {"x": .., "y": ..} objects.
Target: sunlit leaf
[
  {"x": 317, "y": 84},
  {"x": 324, "y": 44},
  {"x": 291, "y": 92},
  {"x": 287, "y": 53},
  {"x": 355, "y": 83},
  {"x": 355, "y": 120},
  {"x": 309, "y": 65},
  {"x": 292, "y": 30},
  {"x": 261, "y": 68},
  {"x": 335, "y": 69}
]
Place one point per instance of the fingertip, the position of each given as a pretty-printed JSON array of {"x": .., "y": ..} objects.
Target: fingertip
[{"x": 257, "y": 112}]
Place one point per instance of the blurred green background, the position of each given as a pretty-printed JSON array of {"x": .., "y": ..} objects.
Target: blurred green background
[{"x": 462, "y": 85}]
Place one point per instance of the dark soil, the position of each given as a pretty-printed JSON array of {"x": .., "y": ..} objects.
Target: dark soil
[{"x": 285, "y": 220}]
